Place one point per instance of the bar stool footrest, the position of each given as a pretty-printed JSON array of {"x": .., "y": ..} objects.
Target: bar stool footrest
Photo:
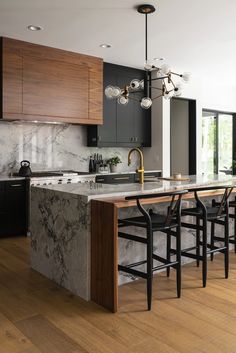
[
  {"x": 218, "y": 238},
  {"x": 132, "y": 271},
  {"x": 191, "y": 226},
  {"x": 191, "y": 256},
  {"x": 132, "y": 237},
  {"x": 170, "y": 264},
  {"x": 217, "y": 250}
]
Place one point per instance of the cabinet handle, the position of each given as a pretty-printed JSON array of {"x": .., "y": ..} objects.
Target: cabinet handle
[
  {"x": 15, "y": 185},
  {"x": 131, "y": 139},
  {"x": 121, "y": 178}
]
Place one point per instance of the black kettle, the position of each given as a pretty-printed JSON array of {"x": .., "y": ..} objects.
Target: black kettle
[{"x": 25, "y": 169}]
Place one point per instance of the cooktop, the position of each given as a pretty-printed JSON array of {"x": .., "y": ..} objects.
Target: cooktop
[{"x": 42, "y": 174}]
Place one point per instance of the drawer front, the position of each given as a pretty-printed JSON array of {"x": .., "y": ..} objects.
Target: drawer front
[
  {"x": 15, "y": 184},
  {"x": 148, "y": 175},
  {"x": 115, "y": 179}
]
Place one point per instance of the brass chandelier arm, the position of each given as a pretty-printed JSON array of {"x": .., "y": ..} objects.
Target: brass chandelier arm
[
  {"x": 172, "y": 82},
  {"x": 174, "y": 73},
  {"x": 159, "y": 78},
  {"x": 165, "y": 88},
  {"x": 160, "y": 89},
  {"x": 161, "y": 95},
  {"x": 136, "y": 91}
]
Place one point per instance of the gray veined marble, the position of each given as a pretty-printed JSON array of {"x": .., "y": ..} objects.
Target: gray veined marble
[
  {"x": 60, "y": 239},
  {"x": 60, "y": 226},
  {"x": 50, "y": 146}
]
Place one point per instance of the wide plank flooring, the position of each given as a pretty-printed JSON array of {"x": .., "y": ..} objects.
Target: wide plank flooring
[{"x": 37, "y": 316}]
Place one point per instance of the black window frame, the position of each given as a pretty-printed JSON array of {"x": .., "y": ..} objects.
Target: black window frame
[{"x": 216, "y": 156}]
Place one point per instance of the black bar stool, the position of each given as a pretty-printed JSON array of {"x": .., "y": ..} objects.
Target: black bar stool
[
  {"x": 169, "y": 224},
  {"x": 232, "y": 238},
  {"x": 217, "y": 213}
]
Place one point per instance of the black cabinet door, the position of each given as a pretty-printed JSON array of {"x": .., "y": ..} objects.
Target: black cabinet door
[
  {"x": 3, "y": 211},
  {"x": 15, "y": 208},
  {"x": 125, "y": 116},
  {"x": 142, "y": 126},
  {"x": 124, "y": 125},
  {"x": 130, "y": 117},
  {"x": 107, "y": 131}
]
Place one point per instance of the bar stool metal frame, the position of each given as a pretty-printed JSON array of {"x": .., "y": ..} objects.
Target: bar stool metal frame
[
  {"x": 218, "y": 213},
  {"x": 232, "y": 238},
  {"x": 169, "y": 224}
]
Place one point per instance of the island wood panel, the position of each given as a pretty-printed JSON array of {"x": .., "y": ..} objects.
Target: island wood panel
[
  {"x": 122, "y": 203},
  {"x": 104, "y": 255},
  {"x": 70, "y": 76}
]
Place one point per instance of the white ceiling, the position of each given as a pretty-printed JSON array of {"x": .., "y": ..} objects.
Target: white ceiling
[{"x": 198, "y": 36}]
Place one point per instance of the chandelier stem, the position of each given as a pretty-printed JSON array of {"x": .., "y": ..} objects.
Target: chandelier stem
[
  {"x": 147, "y": 85},
  {"x": 146, "y": 39}
]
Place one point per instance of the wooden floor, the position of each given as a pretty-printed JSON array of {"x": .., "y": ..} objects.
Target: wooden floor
[{"x": 37, "y": 316}]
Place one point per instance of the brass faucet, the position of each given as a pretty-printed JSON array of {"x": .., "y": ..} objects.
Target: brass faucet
[{"x": 140, "y": 171}]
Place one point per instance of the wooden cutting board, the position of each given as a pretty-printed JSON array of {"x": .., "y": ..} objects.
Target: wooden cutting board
[{"x": 174, "y": 179}]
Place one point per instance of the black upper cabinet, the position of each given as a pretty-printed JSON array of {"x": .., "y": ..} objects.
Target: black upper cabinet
[
  {"x": 124, "y": 125},
  {"x": 107, "y": 131}
]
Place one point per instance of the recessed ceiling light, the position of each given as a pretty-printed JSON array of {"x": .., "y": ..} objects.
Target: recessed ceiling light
[
  {"x": 35, "y": 28},
  {"x": 105, "y": 45},
  {"x": 156, "y": 59}
]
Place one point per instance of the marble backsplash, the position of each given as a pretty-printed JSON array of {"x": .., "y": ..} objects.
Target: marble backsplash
[{"x": 51, "y": 147}]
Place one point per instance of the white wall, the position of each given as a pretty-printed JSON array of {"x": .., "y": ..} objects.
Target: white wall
[{"x": 209, "y": 94}]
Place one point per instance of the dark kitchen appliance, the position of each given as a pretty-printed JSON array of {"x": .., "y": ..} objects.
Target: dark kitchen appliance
[
  {"x": 25, "y": 169},
  {"x": 45, "y": 174}
]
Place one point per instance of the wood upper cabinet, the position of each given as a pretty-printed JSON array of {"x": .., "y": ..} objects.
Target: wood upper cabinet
[{"x": 48, "y": 84}]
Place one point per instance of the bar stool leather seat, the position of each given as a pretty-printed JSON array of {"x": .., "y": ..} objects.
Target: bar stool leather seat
[
  {"x": 158, "y": 222},
  {"x": 212, "y": 212}
]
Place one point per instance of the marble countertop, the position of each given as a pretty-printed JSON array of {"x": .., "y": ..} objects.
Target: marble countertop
[
  {"x": 97, "y": 191},
  {"x": 128, "y": 172},
  {"x": 8, "y": 178},
  {"x": 68, "y": 176}
]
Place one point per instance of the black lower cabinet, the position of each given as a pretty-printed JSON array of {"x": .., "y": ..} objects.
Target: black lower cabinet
[
  {"x": 126, "y": 178},
  {"x": 13, "y": 208}
]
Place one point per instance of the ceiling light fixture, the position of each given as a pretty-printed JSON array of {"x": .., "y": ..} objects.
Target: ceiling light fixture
[
  {"x": 105, "y": 46},
  {"x": 167, "y": 88},
  {"x": 34, "y": 28}
]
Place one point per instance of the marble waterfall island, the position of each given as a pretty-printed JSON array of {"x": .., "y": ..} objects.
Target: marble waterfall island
[{"x": 61, "y": 237}]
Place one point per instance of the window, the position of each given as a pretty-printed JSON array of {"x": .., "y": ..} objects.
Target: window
[{"x": 217, "y": 142}]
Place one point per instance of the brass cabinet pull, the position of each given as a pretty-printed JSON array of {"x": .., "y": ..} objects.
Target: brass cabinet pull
[{"x": 121, "y": 178}]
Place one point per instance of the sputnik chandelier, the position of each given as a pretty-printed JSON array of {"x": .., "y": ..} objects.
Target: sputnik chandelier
[{"x": 167, "y": 87}]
